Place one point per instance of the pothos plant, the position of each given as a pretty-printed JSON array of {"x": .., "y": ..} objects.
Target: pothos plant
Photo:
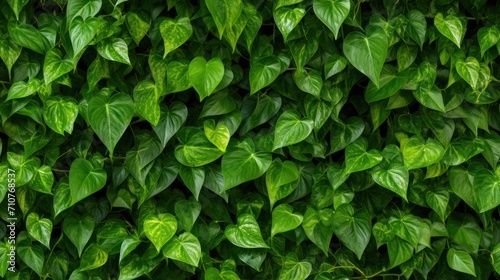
[{"x": 252, "y": 139}]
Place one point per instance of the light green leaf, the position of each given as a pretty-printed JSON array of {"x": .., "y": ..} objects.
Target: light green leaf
[
  {"x": 21, "y": 89},
  {"x": 159, "y": 228},
  {"x": 353, "y": 228},
  {"x": 418, "y": 153},
  {"x": 17, "y": 6},
  {"x": 469, "y": 71},
  {"x": 194, "y": 148},
  {"x": 332, "y": 13},
  {"x": 318, "y": 229},
  {"x": 495, "y": 256},
  {"x": 281, "y": 180},
  {"x": 390, "y": 83},
  {"x": 367, "y": 52},
  {"x": 283, "y": 219},
  {"x": 394, "y": 177},
  {"x": 178, "y": 76},
  {"x": 27, "y": 36},
  {"x": 32, "y": 256},
  {"x": 81, "y": 32},
  {"x": 438, "y": 200},
  {"x": 224, "y": 12},
  {"x": 146, "y": 101},
  {"x": 357, "y": 158},
  {"x": 417, "y": 27},
  {"x": 452, "y": 27},
  {"x": 282, "y": 3},
  {"x": 82, "y": 8},
  {"x": 60, "y": 113},
  {"x": 287, "y": 19},
  {"x": 217, "y": 134},
  {"x": 55, "y": 66},
  {"x": 310, "y": 82},
  {"x": 293, "y": 269},
  {"x": 110, "y": 117},
  {"x": 39, "y": 229},
  {"x": 487, "y": 38},
  {"x": 487, "y": 190},
  {"x": 263, "y": 72},
  {"x": 461, "y": 182},
  {"x": 246, "y": 234},
  {"x": 42, "y": 180},
  {"x": 240, "y": 165},
  {"x": 399, "y": 251},
  {"x": 205, "y": 76},
  {"x": 185, "y": 248},
  {"x": 407, "y": 227},
  {"x": 115, "y": 49},
  {"x": 175, "y": 33},
  {"x": 334, "y": 64},
  {"x": 460, "y": 261},
  {"x": 78, "y": 230},
  {"x": 291, "y": 129},
  {"x": 92, "y": 258},
  {"x": 85, "y": 179},
  {"x": 430, "y": 96},
  {"x": 138, "y": 25},
  {"x": 9, "y": 53}
]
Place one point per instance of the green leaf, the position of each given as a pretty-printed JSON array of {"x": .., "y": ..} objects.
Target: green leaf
[
  {"x": 487, "y": 38},
  {"x": 332, "y": 13},
  {"x": 287, "y": 19},
  {"x": 318, "y": 229},
  {"x": 115, "y": 49},
  {"x": 185, "y": 248},
  {"x": 291, "y": 129},
  {"x": 469, "y": 71},
  {"x": 452, "y": 27},
  {"x": 417, "y": 27},
  {"x": 82, "y": 8},
  {"x": 367, "y": 53},
  {"x": 205, "y": 76},
  {"x": 487, "y": 190},
  {"x": 187, "y": 211},
  {"x": 334, "y": 64},
  {"x": 29, "y": 37},
  {"x": 438, "y": 200},
  {"x": 246, "y": 234},
  {"x": 460, "y": 261},
  {"x": 81, "y": 32},
  {"x": 310, "y": 82},
  {"x": 418, "y": 153},
  {"x": 219, "y": 135},
  {"x": 390, "y": 83},
  {"x": 430, "y": 96},
  {"x": 257, "y": 110},
  {"x": 353, "y": 228},
  {"x": 17, "y": 6},
  {"x": 175, "y": 33},
  {"x": 461, "y": 182},
  {"x": 224, "y": 12},
  {"x": 92, "y": 258},
  {"x": 394, "y": 177},
  {"x": 283, "y": 219},
  {"x": 32, "y": 256},
  {"x": 78, "y": 230},
  {"x": 465, "y": 232},
  {"x": 85, "y": 179},
  {"x": 39, "y": 229},
  {"x": 9, "y": 53},
  {"x": 128, "y": 245},
  {"x": 240, "y": 165},
  {"x": 146, "y": 101},
  {"x": 407, "y": 227},
  {"x": 60, "y": 113},
  {"x": 495, "y": 257},
  {"x": 110, "y": 117},
  {"x": 42, "y": 180},
  {"x": 282, "y": 3},
  {"x": 55, "y": 66},
  {"x": 138, "y": 25},
  {"x": 263, "y": 72},
  {"x": 281, "y": 180},
  {"x": 159, "y": 228},
  {"x": 293, "y": 269},
  {"x": 177, "y": 76},
  {"x": 195, "y": 148},
  {"x": 193, "y": 178},
  {"x": 345, "y": 133},
  {"x": 399, "y": 251},
  {"x": 171, "y": 120},
  {"x": 21, "y": 89},
  {"x": 357, "y": 158}
]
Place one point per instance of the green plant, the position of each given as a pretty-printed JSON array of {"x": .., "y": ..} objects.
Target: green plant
[{"x": 253, "y": 139}]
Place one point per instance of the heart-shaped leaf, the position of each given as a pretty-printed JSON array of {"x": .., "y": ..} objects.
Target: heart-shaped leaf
[
  {"x": 205, "y": 76},
  {"x": 195, "y": 149},
  {"x": 29, "y": 37},
  {"x": 332, "y": 13},
  {"x": 146, "y": 101},
  {"x": 39, "y": 229},
  {"x": 42, "y": 180},
  {"x": 21, "y": 89},
  {"x": 138, "y": 25},
  {"x": 287, "y": 19},
  {"x": 418, "y": 153},
  {"x": 115, "y": 49},
  {"x": 451, "y": 27},
  {"x": 318, "y": 229},
  {"x": 399, "y": 251},
  {"x": 246, "y": 234},
  {"x": 175, "y": 33},
  {"x": 293, "y": 269},
  {"x": 291, "y": 128},
  {"x": 110, "y": 117},
  {"x": 60, "y": 113},
  {"x": 469, "y": 70},
  {"x": 281, "y": 180},
  {"x": 283, "y": 219},
  {"x": 257, "y": 110},
  {"x": 462, "y": 184},
  {"x": 92, "y": 258},
  {"x": 394, "y": 177},
  {"x": 85, "y": 179},
  {"x": 159, "y": 228},
  {"x": 460, "y": 261},
  {"x": 54, "y": 66},
  {"x": 407, "y": 227},
  {"x": 345, "y": 134},
  {"x": 367, "y": 52},
  {"x": 187, "y": 211},
  {"x": 81, "y": 32},
  {"x": 186, "y": 248},
  {"x": 487, "y": 190},
  {"x": 353, "y": 228},
  {"x": 171, "y": 120},
  {"x": 390, "y": 83},
  {"x": 78, "y": 230},
  {"x": 263, "y": 72},
  {"x": 193, "y": 178},
  {"x": 32, "y": 256},
  {"x": 224, "y": 12},
  {"x": 357, "y": 158},
  {"x": 217, "y": 134},
  {"x": 310, "y": 82},
  {"x": 487, "y": 38}
]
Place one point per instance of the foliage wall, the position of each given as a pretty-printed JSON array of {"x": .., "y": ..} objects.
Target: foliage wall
[{"x": 252, "y": 139}]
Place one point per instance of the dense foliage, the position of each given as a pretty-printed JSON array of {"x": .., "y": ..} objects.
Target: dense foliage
[{"x": 253, "y": 139}]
